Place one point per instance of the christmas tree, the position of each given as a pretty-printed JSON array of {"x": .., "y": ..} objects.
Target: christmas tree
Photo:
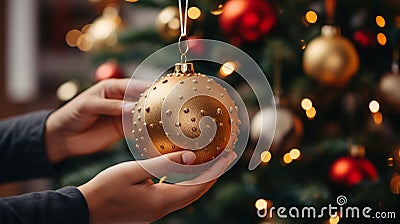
[{"x": 334, "y": 71}]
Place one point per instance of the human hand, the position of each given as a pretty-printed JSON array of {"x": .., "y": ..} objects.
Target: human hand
[
  {"x": 124, "y": 193},
  {"x": 91, "y": 121}
]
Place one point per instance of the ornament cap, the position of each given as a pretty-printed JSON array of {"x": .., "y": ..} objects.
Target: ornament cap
[
  {"x": 330, "y": 31},
  {"x": 184, "y": 68}
]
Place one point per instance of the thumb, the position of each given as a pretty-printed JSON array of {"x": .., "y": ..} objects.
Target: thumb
[{"x": 142, "y": 170}]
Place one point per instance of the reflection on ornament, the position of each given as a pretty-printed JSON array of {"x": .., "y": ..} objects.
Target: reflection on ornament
[
  {"x": 389, "y": 91},
  {"x": 167, "y": 23},
  {"x": 246, "y": 21},
  {"x": 288, "y": 130},
  {"x": 185, "y": 110},
  {"x": 330, "y": 58}
]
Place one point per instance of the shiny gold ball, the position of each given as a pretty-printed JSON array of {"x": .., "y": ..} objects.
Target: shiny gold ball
[
  {"x": 185, "y": 110},
  {"x": 331, "y": 59},
  {"x": 167, "y": 23},
  {"x": 389, "y": 91}
]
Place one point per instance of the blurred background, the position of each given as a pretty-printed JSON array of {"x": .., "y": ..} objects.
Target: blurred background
[{"x": 333, "y": 66}]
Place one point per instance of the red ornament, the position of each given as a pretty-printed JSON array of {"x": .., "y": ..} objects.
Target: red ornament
[
  {"x": 108, "y": 70},
  {"x": 350, "y": 171},
  {"x": 246, "y": 21},
  {"x": 364, "y": 38}
]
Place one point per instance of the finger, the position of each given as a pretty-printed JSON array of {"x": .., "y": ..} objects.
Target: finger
[
  {"x": 157, "y": 166},
  {"x": 213, "y": 172},
  {"x": 113, "y": 88},
  {"x": 104, "y": 106},
  {"x": 135, "y": 88},
  {"x": 184, "y": 193}
]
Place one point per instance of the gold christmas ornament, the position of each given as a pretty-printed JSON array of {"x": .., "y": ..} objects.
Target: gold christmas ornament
[
  {"x": 185, "y": 110},
  {"x": 167, "y": 23},
  {"x": 389, "y": 91},
  {"x": 331, "y": 58}
]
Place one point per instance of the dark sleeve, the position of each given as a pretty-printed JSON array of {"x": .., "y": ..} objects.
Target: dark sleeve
[
  {"x": 66, "y": 205},
  {"x": 22, "y": 147}
]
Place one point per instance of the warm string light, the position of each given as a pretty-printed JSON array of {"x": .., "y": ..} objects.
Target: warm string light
[
  {"x": 311, "y": 17},
  {"x": 287, "y": 159},
  {"x": 307, "y": 105},
  {"x": 227, "y": 68},
  {"x": 381, "y": 38},
  {"x": 377, "y": 116},
  {"x": 261, "y": 204},
  {"x": 194, "y": 13},
  {"x": 266, "y": 156},
  {"x": 103, "y": 31},
  {"x": 295, "y": 153},
  {"x": 334, "y": 219},
  {"x": 218, "y": 11},
  {"x": 380, "y": 21}
]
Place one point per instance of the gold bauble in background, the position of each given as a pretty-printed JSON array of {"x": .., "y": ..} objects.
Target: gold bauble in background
[
  {"x": 389, "y": 91},
  {"x": 188, "y": 98},
  {"x": 167, "y": 23},
  {"x": 331, "y": 59}
]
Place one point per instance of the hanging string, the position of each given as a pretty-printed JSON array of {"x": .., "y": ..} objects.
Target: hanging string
[
  {"x": 183, "y": 18},
  {"x": 183, "y": 37},
  {"x": 330, "y": 6}
]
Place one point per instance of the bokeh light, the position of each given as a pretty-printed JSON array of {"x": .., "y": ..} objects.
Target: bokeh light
[
  {"x": 378, "y": 118},
  {"x": 306, "y": 104},
  {"x": 72, "y": 37},
  {"x": 374, "y": 106},
  {"x": 227, "y": 68},
  {"x": 390, "y": 162},
  {"x": 380, "y": 21},
  {"x": 261, "y": 204},
  {"x": 266, "y": 156},
  {"x": 303, "y": 44},
  {"x": 294, "y": 153},
  {"x": 287, "y": 158},
  {"x": 381, "y": 38},
  {"x": 311, "y": 17},
  {"x": 217, "y": 11},
  {"x": 67, "y": 90},
  {"x": 194, "y": 13},
  {"x": 334, "y": 219},
  {"x": 311, "y": 113},
  {"x": 395, "y": 184}
]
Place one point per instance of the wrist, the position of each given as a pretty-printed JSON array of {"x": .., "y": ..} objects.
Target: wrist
[{"x": 54, "y": 142}]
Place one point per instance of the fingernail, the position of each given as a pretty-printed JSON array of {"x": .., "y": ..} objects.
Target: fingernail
[
  {"x": 188, "y": 158},
  {"x": 232, "y": 156},
  {"x": 128, "y": 106}
]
